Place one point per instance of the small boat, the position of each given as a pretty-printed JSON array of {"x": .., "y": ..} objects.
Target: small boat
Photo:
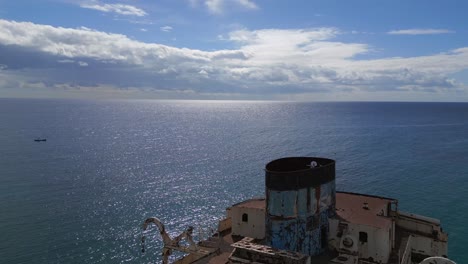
[{"x": 40, "y": 139}]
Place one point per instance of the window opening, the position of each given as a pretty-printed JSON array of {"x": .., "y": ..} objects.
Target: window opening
[
  {"x": 323, "y": 236},
  {"x": 245, "y": 217},
  {"x": 363, "y": 237}
]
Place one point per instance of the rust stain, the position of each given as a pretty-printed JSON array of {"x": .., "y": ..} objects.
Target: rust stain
[{"x": 317, "y": 197}]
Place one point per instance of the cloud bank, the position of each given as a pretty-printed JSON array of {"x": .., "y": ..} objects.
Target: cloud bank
[
  {"x": 420, "y": 31},
  {"x": 270, "y": 63}
]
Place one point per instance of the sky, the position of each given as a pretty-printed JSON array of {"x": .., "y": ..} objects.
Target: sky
[{"x": 311, "y": 50}]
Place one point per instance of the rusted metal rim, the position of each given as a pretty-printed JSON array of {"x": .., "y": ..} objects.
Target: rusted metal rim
[{"x": 295, "y": 173}]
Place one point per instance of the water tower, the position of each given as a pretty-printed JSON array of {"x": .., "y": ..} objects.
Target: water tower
[{"x": 300, "y": 197}]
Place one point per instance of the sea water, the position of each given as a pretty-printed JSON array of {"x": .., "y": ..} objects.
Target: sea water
[{"x": 82, "y": 196}]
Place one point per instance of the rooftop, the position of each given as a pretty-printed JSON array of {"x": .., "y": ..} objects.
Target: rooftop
[
  {"x": 255, "y": 203},
  {"x": 363, "y": 209},
  {"x": 352, "y": 207}
]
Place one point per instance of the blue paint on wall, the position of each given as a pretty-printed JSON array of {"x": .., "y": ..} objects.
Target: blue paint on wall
[{"x": 295, "y": 219}]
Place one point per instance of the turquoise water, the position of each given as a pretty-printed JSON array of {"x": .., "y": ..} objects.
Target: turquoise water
[{"x": 82, "y": 196}]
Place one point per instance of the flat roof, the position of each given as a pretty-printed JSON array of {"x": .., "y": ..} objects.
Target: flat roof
[
  {"x": 363, "y": 209},
  {"x": 349, "y": 206},
  {"x": 255, "y": 203}
]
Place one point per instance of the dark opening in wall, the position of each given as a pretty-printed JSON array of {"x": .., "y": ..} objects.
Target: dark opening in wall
[
  {"x": 245, "y": 217},
  {"x": 363, "y": 237},
  {"x": 323, "y": 237}
]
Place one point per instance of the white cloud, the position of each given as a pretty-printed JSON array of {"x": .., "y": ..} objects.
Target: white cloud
[
  {"x": 269, "y": 61},
  {"x": 121, "y": 9},
  {"x": 215, "y": 6},
  {"x": 420, "y": 31},
  {"x": 71, "y": 43},
  {"x": 219, "y": 6},
  {"x": 166, "y": 28},
  {"x": 247, "y": 4},
  {"x": 300, "y": 47},
  {"x": 66, "y": 61}
]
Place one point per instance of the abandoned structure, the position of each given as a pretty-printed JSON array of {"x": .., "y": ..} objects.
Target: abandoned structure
[{"x": 303, "y": 219}]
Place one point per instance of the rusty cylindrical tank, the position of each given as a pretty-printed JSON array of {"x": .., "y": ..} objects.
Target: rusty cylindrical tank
[{"x": 300, "y": 197}]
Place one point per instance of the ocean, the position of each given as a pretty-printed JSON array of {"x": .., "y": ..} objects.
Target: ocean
[{"x": 82, "y": 196}]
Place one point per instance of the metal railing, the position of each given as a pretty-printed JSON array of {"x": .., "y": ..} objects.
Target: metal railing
[{"x": 406, "y": 258}]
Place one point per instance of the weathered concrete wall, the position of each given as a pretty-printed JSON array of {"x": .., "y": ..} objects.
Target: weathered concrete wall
[
  {"x": 225, "y": 224},
  {"x": 300, "y": 198},
  {"x": 253, "y": 227},
  {"x": 297, "y": 220},
  {"x": 378, "y": 245},
  {"x": 428, "y": 246},
  {"x": 412, "y": 222},
  {"x": 421, "y": 224}
]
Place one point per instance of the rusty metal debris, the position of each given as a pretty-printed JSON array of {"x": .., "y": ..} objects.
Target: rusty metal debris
[{"x": 169, "y": 243}]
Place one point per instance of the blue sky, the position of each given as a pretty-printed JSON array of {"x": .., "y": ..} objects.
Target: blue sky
[{"x": 310, "y": 50}]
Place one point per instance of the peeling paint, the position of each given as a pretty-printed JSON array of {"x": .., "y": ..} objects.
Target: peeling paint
[{"x": 297, "y": 217}]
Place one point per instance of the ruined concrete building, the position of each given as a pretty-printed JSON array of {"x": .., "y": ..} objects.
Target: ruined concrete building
[{"x": 303, "y": 219}]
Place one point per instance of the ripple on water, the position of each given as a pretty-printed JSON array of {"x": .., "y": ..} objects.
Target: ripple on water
[{"x": 106, "y": 166}]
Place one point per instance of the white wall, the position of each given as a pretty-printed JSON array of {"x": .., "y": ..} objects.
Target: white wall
[
  {"x": 428, "y": 246},
  {"x": 333, "y": 240},
  {"x": 414, "y": 225},
  {"x": 378, "y": 245},
  {"x": 254, "y": 227},
  {"x": 421, "y": 224}
]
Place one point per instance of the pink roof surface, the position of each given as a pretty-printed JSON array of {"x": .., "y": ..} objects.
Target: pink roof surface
[{"x": 363, "y": 209}]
